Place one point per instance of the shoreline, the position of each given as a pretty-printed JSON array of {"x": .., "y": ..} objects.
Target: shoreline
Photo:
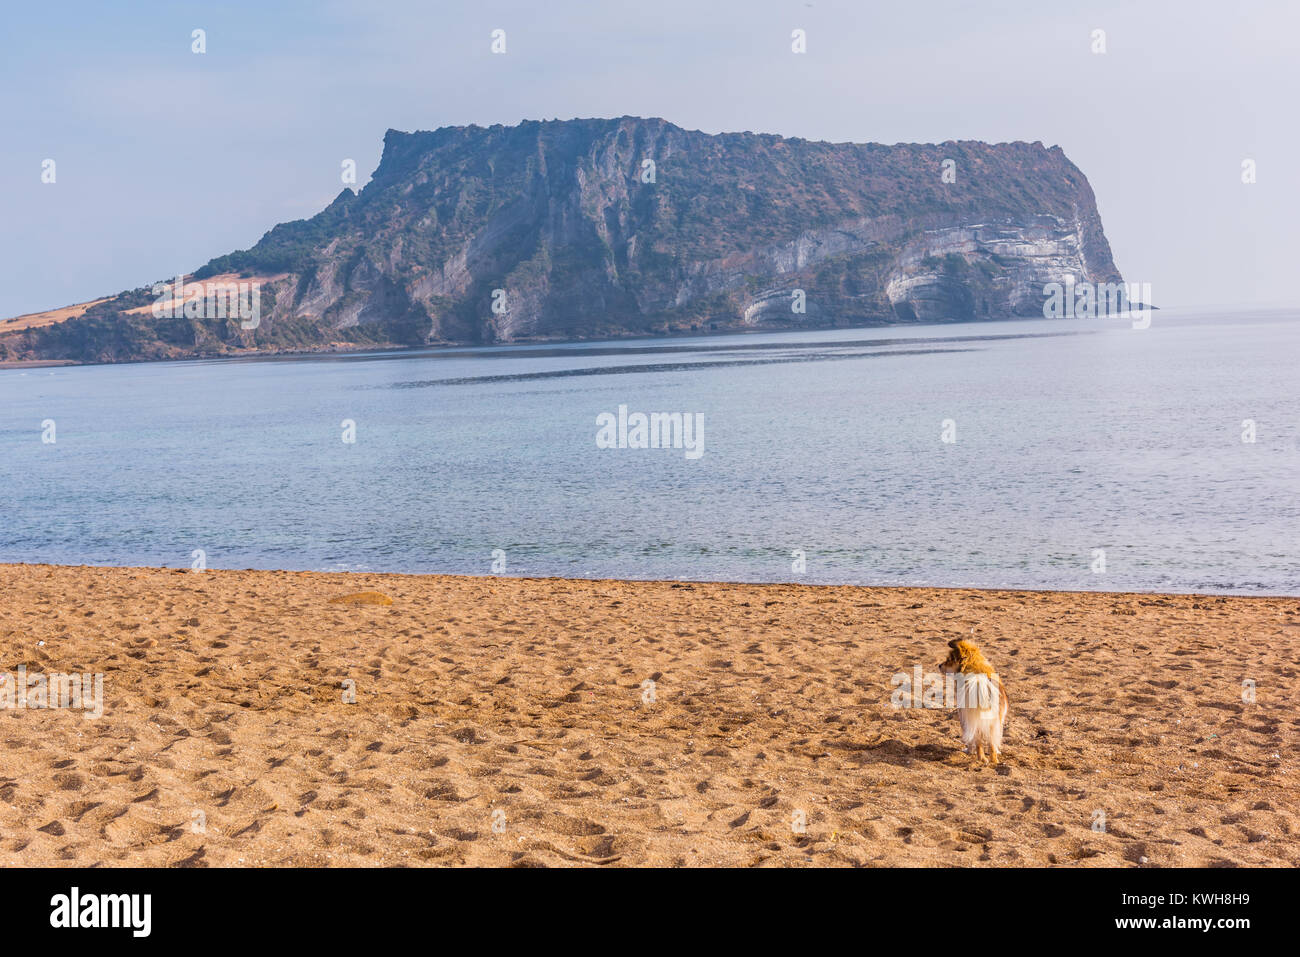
[
  {"x": 344, "y": 350},
  {"x": 38, "y": 363},
  {"x": 558, "y": 722},
  {"x": 989, "y": 589}
]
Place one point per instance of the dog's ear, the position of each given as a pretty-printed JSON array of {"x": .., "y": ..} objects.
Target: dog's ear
[{"x": 954, "y": 643}]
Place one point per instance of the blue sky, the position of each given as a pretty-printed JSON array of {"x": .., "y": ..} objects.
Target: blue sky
[{"x": 166, "y": 158}]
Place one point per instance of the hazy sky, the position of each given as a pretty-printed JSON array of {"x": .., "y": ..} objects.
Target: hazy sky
[{"x": 166, "y": 158}]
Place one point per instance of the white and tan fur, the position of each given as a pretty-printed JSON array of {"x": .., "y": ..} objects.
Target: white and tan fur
[{"x": 982, "y": 699}]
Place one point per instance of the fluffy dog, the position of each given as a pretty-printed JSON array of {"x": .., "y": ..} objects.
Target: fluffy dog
[{"x": 981, "y": 699}]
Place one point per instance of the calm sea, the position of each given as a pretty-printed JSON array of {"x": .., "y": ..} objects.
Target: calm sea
[{"x": 1084, "y": 455}]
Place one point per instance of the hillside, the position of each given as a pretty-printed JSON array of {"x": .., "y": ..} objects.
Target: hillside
[{"x": 550, "y": 230}]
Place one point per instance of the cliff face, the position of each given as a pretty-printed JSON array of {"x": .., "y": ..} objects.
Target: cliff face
[{"x": 582, "y": 228}]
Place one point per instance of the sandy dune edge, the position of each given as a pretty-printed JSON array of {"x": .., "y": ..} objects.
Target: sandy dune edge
[
  {"x": 50, "y": 317},
  {"x": 226, "y": 739}
]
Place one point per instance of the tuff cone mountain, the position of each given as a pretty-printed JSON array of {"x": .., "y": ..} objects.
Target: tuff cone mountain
[{"x": 605, "y": 227}]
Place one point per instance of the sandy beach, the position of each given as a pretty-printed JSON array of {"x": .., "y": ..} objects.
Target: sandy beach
[{"x": 249, "y": 720}]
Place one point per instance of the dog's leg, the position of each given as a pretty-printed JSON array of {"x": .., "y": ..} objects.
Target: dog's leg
[
  {"x": 993, "y": 754},
  {"x": 979, "y": 750}
]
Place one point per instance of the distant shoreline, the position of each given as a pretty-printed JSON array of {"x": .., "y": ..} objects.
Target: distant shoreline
[
  {"x": 347, "y": 350},
  {"x": 614, "y": 337},
  {"x": 42, "y": 363}
]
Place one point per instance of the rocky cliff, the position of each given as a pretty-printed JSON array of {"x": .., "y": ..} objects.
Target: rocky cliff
[{"x": 585, "y": 228}]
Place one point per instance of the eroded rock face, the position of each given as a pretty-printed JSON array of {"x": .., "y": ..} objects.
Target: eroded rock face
[
  {"x": 586, "y": 228},
  {"x": 989, "y": 270},
  {"x": 930, "y": 297}
]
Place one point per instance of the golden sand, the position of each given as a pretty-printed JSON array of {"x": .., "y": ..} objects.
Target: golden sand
[
  {"x": 35, "y": 320},
  {"x": 250, "y": 720},
  {"x": 50, "y": 317},
  {"x": 362, "y": 598}
]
